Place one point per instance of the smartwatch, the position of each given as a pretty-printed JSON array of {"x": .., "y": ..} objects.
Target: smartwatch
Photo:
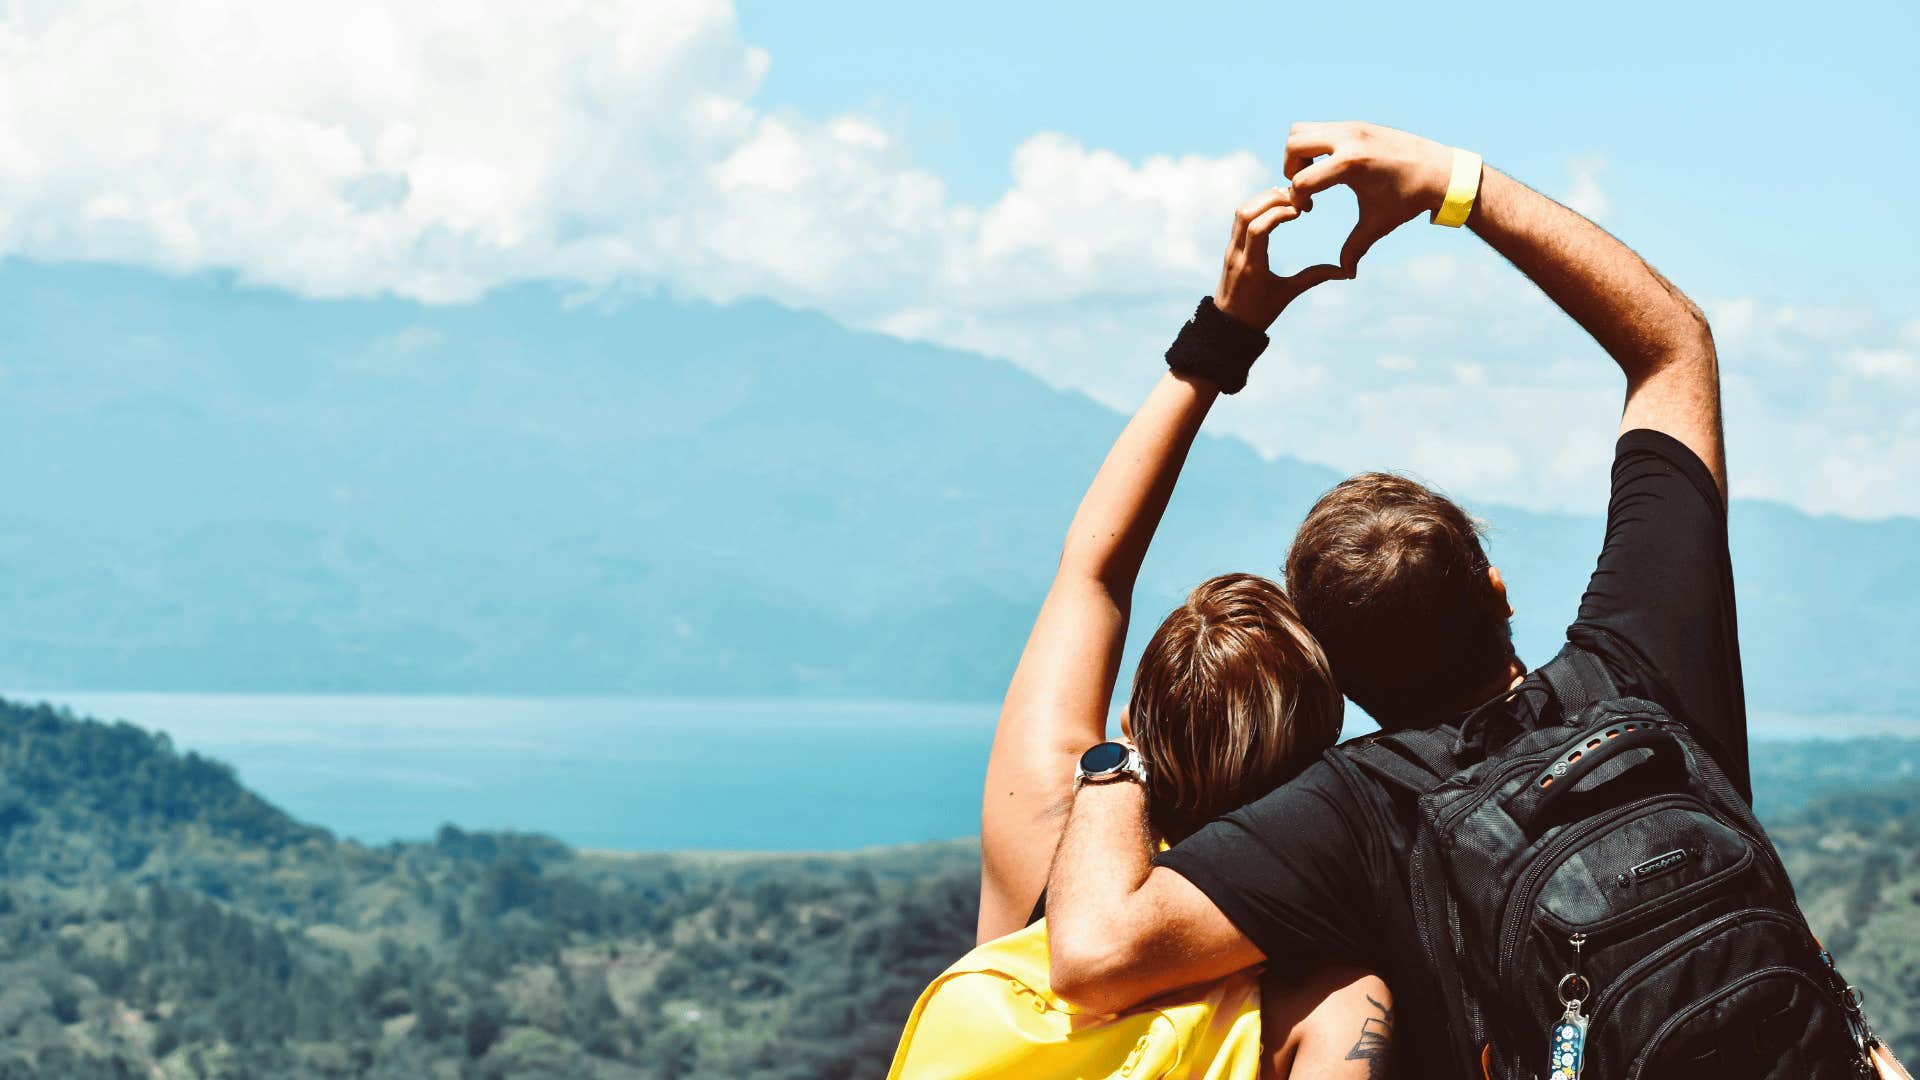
[{"x": 1109, "y": 761}]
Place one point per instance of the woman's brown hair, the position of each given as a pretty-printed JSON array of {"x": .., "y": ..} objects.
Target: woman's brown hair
[{"x": 1232, "y": 697}]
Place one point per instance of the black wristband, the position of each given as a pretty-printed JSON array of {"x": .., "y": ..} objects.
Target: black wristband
[{"x": 1217, "y": 347}]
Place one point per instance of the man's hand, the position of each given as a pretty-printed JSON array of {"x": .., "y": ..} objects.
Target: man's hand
[
  {"x": 1657, "y": 336},
  {"x": 1395, "y": 176},
  {"x": 1249, "y": 290}
]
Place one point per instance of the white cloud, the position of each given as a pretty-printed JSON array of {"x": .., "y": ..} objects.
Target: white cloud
[
  {"x": 1823, "y": 407},
  {"x": 1509, "y": 401},
  {"x": 1892, "y": 365},
  {"x": 430, "y": 150},
  {"x": 438, "y": 151},
  {"x": 1586, "y": 195}
]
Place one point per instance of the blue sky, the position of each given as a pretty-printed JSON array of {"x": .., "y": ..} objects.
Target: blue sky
[
  {"x": 1048, "y": 183},
  {"x": 1758, "y": 145}
]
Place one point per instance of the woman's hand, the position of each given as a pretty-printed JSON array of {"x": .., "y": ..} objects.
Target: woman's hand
[{"x": 1249, "y": 289}]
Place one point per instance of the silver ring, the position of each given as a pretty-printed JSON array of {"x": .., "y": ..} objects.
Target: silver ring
[{"x": 1585, "y": 987}]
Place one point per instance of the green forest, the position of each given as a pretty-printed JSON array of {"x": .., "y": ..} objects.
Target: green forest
[{"x": 159, "y": 919}]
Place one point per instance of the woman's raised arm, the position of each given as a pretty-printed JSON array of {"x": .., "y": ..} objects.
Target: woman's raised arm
[{"x": 1056, "y": 705}]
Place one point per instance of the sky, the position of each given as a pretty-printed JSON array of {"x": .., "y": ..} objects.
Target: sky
[{"x": 1046, "y": 183}]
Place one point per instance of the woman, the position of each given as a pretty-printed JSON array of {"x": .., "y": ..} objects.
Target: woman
[{"x": 1231, "y": 697}]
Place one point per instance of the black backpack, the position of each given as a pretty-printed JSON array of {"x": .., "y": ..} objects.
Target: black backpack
[{"x": 1596, "y": 890}]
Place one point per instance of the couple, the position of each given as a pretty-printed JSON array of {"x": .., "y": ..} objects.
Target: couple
[{"x": 1270, "y": 856}]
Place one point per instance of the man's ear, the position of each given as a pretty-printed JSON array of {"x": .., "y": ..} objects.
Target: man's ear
[
  {"x": 1126, "y": 726},
  {"x": 1499, "y": 588}
]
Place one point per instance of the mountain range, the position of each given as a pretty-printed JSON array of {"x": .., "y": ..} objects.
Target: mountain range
[{"x": 205, "y": 486}]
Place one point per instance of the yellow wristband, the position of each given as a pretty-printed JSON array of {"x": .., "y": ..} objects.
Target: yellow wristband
[{"x": 1462, "y": 188}]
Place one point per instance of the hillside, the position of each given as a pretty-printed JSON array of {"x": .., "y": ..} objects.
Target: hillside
[
  {"x": 159, "y": 915},
  {"x": 211, "y": 488},
  {"x": 163, "y": 921}
]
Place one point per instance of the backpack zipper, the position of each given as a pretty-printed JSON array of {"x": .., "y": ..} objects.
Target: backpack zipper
[
  {"x": 1660, "y": 1035},
  {"x": 1624, "y": 980},
  {"x": 1511, "y": 921}
]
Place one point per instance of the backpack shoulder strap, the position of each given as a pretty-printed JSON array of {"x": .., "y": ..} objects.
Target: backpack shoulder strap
[
  {"x": 1409, "y": 760},
  {"x": 1577, "y": 679}
]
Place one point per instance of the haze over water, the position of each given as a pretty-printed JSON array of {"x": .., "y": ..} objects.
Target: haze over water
[{"x": 625, "y": 773}]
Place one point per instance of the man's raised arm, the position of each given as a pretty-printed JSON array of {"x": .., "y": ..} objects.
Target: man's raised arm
[{"x": 1657, "y": 336}]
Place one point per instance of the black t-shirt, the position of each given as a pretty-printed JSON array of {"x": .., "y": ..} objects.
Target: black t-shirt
[{"x": 1314, "y": 873}]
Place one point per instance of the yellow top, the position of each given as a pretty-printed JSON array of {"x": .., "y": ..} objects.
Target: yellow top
[
  {"x": 994, "y": 1014},
  {"x": 1462, "y": 188}
]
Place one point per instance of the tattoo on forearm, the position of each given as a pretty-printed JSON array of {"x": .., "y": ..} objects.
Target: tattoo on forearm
[{"x": 1376, "y": 1034}]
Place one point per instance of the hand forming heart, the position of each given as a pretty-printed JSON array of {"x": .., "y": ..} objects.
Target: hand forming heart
[
  {"x": 1395, "y": 175},
  {"x": 1249, "y": 290}
]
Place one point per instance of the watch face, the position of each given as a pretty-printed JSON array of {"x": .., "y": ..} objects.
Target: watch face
[{"x": 1103, "y": 758}]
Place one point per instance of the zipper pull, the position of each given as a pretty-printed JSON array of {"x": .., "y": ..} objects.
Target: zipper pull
[{"x": 1567, "y": 1043}]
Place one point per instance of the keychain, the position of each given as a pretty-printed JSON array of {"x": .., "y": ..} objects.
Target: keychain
[{"x": 1568, "y": 1043}]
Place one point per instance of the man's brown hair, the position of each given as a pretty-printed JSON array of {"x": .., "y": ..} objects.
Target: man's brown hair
[
  {"x": 1391, "y": 577},
  {"x": 1232, "y": 697}
]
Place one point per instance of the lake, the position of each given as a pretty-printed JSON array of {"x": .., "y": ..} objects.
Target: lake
[{"x": 628, "y": 774}]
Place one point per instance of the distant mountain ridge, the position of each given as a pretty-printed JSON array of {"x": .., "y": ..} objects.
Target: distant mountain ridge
[{"x": 205, "y": 487}]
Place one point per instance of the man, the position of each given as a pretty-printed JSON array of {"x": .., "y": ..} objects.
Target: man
[{"x": 1393, "y": 580}]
